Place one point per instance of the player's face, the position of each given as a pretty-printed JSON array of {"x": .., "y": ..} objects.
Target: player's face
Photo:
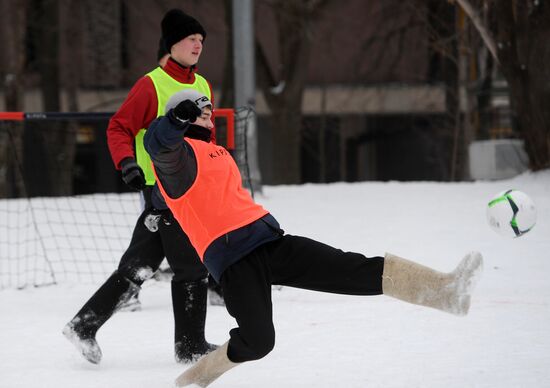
[
  {"x": 188, "y": 50},
  {"x": 205, "y": 120}
]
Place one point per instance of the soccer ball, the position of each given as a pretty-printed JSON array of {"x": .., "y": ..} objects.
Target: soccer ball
[{"x": 511, "y": 213}]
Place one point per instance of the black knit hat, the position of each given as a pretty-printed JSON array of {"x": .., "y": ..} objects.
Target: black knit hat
[{"x": 177, "y": 25}]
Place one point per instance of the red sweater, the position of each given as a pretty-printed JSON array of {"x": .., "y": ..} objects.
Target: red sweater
[{"x": 139, "y": 109}]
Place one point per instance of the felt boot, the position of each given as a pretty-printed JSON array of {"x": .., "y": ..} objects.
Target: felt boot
[
  {"x": 415, "y": 283},
  {"x": 207, "y": 369}
]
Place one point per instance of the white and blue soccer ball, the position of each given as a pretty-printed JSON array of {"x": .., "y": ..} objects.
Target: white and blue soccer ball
[{"x": 511, "y": 213}]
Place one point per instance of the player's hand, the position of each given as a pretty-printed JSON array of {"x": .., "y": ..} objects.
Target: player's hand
[
  {"x": 187, "y": 110},
  {"x": 132, "y": 174}
]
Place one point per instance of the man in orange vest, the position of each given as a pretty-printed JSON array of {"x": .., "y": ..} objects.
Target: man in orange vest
[
  {"x": 156, "y": 234},
  {"x": 244, "y": 248}
]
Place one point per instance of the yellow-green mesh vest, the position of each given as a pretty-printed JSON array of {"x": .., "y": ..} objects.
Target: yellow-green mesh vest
[{"x": 165, "y": 87}]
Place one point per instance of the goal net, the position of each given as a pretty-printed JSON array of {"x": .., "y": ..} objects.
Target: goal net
[{"x": 77, "y": 234}]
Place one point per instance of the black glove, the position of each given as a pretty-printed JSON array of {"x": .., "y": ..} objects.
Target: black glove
[
  {"x": 132, "y": 174},
  {"x": 187, "y": 110}
]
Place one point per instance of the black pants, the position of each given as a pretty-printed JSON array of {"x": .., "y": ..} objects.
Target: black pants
[
  {"x": 290, "y": 261},
  {"x": 148, "y": 248}
]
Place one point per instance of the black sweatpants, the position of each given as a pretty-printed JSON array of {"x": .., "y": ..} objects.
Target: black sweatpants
[
  {"x": 290, "y": 261},
  {"x": 148, "y": 248}
]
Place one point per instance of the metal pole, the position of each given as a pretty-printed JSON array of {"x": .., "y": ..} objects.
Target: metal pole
[{"x": 245, "y": 80}]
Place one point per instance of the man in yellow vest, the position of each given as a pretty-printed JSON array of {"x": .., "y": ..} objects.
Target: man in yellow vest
[
  {"x": 244, "y": 248},
  {"x": 156, "y": 234}
]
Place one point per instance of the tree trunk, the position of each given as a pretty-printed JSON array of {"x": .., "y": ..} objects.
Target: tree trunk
[
  {"x": 59, "y": 143},
  {"x": 12, "y": 22},
  {"x": 102, "y": 39},
  {"x": 441, "y": 23},
  {"x": 295, "y": 22},
  {"x": 523, "y": 33},
  {"x": 70, "y": 67},
  {"x": 484, "y": 96},
  {"x": 530, "y": 100},
  {"x": 286, "y": 124}
]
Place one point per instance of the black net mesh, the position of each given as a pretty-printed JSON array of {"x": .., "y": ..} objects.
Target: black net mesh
[{"x": 65, "y": 216}]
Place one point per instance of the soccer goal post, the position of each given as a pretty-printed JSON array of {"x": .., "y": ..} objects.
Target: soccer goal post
[{"x": 77, "y": 234}]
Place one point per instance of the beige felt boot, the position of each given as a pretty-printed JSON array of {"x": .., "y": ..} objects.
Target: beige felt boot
[
  {"x": 415, "y": 283},
  {"x": 207, "y": 369}
]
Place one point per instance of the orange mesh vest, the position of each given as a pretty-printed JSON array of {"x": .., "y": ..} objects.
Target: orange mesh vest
[{"x": 216, "y": 203}]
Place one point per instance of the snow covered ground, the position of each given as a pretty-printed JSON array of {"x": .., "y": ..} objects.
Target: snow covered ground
[{"x": 331, "y": 340}]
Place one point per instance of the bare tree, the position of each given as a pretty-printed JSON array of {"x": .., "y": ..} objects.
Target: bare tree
[
  {"x": 102, "y": 40},
  {"x": 283, "y": 88},
  {"x": 518, "y": 40},
  {"x": 71, "y": 38},
  {"x": 58, "y": 139},
  {"x": 12, "y": 30},
  {"x": 431, "y": 26},
  {"x": 444, "y": 47}
]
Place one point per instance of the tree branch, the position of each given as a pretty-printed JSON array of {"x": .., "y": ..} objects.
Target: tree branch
[{"x": 482, "y": 29}]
